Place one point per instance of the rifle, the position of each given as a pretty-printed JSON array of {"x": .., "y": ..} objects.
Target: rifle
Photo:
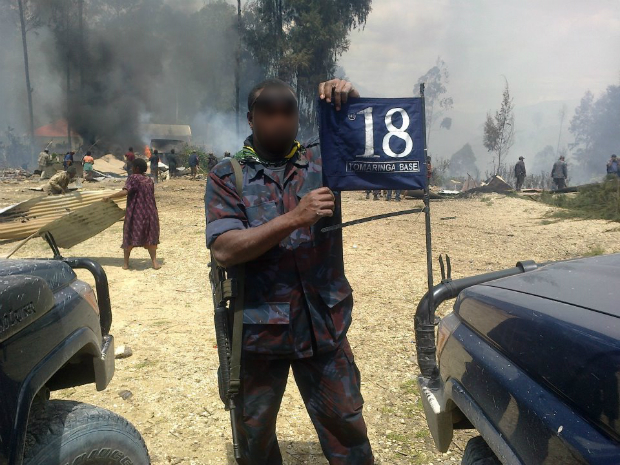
[{"x": 228, "y": 301}]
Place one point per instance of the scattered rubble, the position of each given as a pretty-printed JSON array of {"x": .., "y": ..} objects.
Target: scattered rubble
[
  {"x": 14, "y": 175},
  {"x": 123, "y": 351}
]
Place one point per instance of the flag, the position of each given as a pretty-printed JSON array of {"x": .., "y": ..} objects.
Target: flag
[{"x": 373, "y": 143}]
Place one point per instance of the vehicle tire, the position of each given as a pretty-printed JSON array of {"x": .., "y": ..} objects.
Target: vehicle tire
[
  {"x": 478, "y": 452},
  {"x": 71, "y": 433}
]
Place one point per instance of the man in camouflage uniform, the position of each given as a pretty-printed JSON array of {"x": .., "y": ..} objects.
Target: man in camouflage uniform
[{"x": 298, "y": 301}]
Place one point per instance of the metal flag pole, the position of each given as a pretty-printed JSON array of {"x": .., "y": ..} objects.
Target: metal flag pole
[{"x": 427, "y": 213}]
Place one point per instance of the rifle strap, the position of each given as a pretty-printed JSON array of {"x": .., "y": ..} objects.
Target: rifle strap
[{"x": 237, "y": 333}]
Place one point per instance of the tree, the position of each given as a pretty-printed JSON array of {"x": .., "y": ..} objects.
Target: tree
[
  {"x": 499, "y": 130},
  {"x": 300, "y": 42},
  {"x": 28, "y": 20},
  {"x": 595, "y": 128},
  {"x": 436, "y": 100},
  {"x": 463, "y": 162},
  {"x": 561, "y": 117}
]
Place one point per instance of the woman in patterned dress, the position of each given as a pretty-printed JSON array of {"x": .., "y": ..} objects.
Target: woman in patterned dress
[{"x": 141, "y": 227}]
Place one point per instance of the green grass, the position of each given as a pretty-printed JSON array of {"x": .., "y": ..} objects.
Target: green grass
[
  {"x": 144, "y": 364},
  {"x": 594, "y": 251},
  {"x": 597, "y": 201}
]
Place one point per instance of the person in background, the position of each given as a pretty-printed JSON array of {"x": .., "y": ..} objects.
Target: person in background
[
  {"x": 429, "y": 169},
  {"x": 520, "y": 173},
  {"x": 211, "y": 161},
  {"x": 44, "y": 161},
  {"x": 613, "y": 166},
  {"x": 193, "y": 164},
  {"x": 130, "y": 157},
  {"x": 388, "y": 196},
  {"x": 154, "y": 161},
  {"x": 559, "y": 173},
  {"x": 68, "y": 160},
  {"x": 172, "y": 163},
  {"x": 88, "y": 161},
  {"x": 59, "y": 183},
  {"x": 226, "y": 154},
  {"x": 141, "y": 228}
]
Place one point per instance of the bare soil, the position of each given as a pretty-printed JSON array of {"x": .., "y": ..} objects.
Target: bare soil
[{"x": 165, "y": 316}]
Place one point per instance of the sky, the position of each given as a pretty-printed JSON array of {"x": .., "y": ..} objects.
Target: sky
[
  {"x": 547, "y": 49},
  {"x": 550, "y": 52}
]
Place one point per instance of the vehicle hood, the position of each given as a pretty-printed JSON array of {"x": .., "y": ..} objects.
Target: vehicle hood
[
  {"x": 56, "y": 273},
  {"x": 592, "y": 283}
]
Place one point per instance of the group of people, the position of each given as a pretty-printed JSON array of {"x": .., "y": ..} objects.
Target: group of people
[
  {"x": 559, "y": 171},
  {"x": 173, "y": 162}
]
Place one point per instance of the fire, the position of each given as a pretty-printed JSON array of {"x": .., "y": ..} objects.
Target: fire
[{"x": 147, "y": 152}]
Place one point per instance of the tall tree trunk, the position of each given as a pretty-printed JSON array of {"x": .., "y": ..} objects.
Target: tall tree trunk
[
  {"x": 237, "y": 67},
  {"x": 66, "y": 42},
  {"x": 81, "y": 49},
  {"x": 22, "y": 20}
]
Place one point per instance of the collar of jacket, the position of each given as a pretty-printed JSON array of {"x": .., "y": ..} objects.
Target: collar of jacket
[{"x": 249, "y": 155}]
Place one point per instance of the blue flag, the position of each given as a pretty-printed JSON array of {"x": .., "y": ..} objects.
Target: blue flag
[{"x": 373, "y": 143}]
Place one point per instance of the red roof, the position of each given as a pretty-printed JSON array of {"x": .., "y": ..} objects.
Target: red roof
[{"x": 55, "y": 129}]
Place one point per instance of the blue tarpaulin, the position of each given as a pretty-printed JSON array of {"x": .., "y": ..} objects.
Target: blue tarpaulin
[{"x": 373, "y": 143}]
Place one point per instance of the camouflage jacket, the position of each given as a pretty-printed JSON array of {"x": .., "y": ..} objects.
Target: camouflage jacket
[{"x": 298, "y": 301}]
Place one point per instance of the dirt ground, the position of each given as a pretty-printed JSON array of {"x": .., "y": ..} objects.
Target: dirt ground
[{"x": 165, "y": 317}]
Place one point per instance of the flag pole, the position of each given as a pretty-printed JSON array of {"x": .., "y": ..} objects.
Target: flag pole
[{"x": 427, "y": 215}]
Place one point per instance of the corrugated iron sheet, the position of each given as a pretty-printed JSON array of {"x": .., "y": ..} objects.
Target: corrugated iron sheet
[
  {"x": 27, "y": 218},
  {"x": 83, "y": 223}
]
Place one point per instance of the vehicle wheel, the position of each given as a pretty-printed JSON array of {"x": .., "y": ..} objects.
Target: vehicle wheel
[
  {"x": 64, "y": 432},
  {"x": 478, "y": 452}
]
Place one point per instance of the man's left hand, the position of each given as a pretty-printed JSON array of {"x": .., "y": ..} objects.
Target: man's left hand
[{"x": 337, "y": 91}]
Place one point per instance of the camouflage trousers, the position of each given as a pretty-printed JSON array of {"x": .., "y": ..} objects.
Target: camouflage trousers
[{"x": 330, "y": 387}]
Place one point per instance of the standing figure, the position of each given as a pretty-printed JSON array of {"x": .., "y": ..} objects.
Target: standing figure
[
  {"x": 559, "y": 173},
  {"x": 613, "y": 166},
  {"x": 154, "y": 161},
  {"x": 429, "y": 169},
  {"x": 193, "y": 164},
  {"x": 388, "y": 196},
  {"x": 130, "y": 157},
  {"x": 211, "y": 161},
  {"x": 298, "y": 302},
  {"x": 520, "y": 173},
  {"x": 172, "y": 163},
  {"x": 141, "y": 228},
  {"x": 68, "y": 160},
  {"x": 44, "y": 161},
  {"x": 88, "y": 161}
]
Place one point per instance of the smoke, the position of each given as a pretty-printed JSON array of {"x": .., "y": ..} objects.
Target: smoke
[{"x": 174, "y": 63}]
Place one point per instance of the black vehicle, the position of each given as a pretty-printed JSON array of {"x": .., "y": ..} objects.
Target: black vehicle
[
  {"x": 54, "y": 334},
  {"x": 529, "y": 357}
]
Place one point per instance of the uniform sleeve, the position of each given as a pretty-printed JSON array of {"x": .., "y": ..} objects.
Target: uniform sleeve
[{"x": 224, "y": 209}]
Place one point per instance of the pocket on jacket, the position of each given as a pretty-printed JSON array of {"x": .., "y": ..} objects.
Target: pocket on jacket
[{"x": 266, "y": 329}]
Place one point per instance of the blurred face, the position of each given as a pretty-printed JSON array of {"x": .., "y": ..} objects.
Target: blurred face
[{"x": 274, "y": 119}]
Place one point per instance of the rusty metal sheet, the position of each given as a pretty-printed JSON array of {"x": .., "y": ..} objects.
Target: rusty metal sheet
[
  {"x": 83, "y": 223},
  {"x": 27, "y": 218}
]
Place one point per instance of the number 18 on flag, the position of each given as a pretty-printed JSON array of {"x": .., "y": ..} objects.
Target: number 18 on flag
[{"x": 373, "y": 143}]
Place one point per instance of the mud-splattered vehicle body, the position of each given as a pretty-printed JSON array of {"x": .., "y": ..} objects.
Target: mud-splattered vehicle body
[
  {"x": 529, "y": 357},
  {"x": 54, "y": 334}
]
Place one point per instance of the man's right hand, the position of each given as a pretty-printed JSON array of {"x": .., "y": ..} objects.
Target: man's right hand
[{"x": 314, "y": 206}]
